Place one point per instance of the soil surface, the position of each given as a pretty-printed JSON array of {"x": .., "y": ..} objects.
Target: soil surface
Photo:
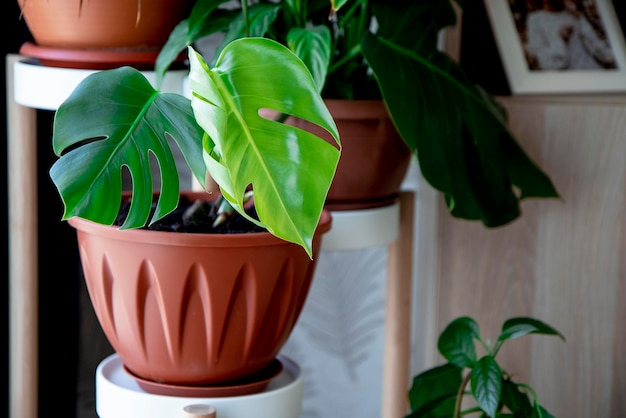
[{"x": 196, "y": 217}]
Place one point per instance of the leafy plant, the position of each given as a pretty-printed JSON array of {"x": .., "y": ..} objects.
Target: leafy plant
[
  {"x": 372, "y": 49},
  {"x": 439, "y": 392},
  {"x": 116, "y": 119}
]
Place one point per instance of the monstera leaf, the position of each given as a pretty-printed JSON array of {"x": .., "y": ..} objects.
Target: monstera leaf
[
  {"x": 116, "y": 119},
  {"x": 290, "y": 169}
]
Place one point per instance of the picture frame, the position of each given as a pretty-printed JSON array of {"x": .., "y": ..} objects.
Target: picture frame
[{"x": 557, "y": 64}]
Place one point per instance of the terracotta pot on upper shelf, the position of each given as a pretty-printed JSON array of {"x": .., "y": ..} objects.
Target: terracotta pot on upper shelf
[
  {"x": 374, "y": 158},
  {"x": 67, "y": 33},
  {"x": 191, "y": 312}
]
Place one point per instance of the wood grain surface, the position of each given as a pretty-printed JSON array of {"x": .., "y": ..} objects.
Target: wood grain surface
[{"x": 562, "y": 262}]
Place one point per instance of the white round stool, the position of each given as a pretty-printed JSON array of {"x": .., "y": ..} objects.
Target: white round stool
[{"x": 118, "y": 395}]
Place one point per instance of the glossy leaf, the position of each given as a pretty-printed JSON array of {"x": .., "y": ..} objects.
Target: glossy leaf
[
  {"x": 433, "y": 392},
  {"x": 458, "y": 132},
  {"x": 115, "y": 119},
  {"x": 517, "y": 327},
  {"x": 289, "y": 169},
  {"x": 486, "y": 382},
  {"x": 456, "y": 342}
]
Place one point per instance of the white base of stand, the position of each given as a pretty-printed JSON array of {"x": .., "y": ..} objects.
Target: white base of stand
[
  {"x": 364, "y": 228},
  {"x": 119, "y": 396}
]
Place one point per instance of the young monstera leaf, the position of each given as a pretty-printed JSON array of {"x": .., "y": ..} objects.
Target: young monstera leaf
[{"x": 289, "y": 169}]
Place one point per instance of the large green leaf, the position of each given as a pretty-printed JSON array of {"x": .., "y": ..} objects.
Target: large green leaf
[
  {"x": 115, "y": 119},
  {"x": 458, "y": 133},
  {"x": 289, "y": 169}
]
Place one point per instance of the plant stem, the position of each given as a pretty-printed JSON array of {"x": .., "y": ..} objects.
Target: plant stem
[
  {"x": 533, "y": 395},
  {"x": 356, "y": 50},
  {"x": 244, "y": 10},
  {"x": 459, "y": 395}
]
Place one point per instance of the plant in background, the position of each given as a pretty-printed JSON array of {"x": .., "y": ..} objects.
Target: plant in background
[
  {"x": 373, "y": 49},
  {"x": 440, "y": 391}
]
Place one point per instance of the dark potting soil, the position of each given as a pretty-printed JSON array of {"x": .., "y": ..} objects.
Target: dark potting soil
[{"x": 196, "y": 217}]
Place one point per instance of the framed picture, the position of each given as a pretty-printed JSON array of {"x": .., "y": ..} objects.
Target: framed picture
[{"x": 559, "y": 46}]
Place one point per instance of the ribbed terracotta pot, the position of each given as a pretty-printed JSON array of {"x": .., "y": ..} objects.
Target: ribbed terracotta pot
[
  {"x": 374, "y": 158},
  {"x": 96, "y": 24},
  {"x": 195, "y": 309}
]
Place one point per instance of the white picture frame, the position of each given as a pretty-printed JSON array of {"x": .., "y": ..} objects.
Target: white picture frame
[{"x": 526, "y": 76}]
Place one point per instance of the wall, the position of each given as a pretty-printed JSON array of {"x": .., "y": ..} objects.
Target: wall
[{"x": 562, "y": 262}]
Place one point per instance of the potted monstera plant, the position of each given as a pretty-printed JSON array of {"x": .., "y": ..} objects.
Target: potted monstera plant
[
  {"x": 213, "y": 304},
  {"x": 386, "y": 53}
]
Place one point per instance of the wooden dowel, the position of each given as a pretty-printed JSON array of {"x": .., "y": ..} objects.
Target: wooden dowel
[
  {"x": 397, "y": 358},
  {"x": 23, "y": 253}
]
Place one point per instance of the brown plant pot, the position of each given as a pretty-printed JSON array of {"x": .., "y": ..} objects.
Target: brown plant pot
[
  {"x": 374, "y": 158},
  {"x": 122, "y": 31},
  {"x": 195, "y": 309},
  {"x": 102, "y": 23}
]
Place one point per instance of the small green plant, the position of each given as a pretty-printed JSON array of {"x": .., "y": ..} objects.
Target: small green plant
[{"x": 440, "y": 391}]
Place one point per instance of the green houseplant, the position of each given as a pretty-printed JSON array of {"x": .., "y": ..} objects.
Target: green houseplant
[
  {"x": 238, "y": 317},
  {"x": 439, "y": 392},
  {"x": 378, "y": 49}
]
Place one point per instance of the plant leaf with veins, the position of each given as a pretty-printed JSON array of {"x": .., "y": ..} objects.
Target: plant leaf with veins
[
  {"x": 458, "y": 132},
  {"x": 116, "y": 119},
  {"x": 289, "y": 169}
]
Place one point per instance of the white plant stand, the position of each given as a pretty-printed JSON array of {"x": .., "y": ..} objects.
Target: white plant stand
[
  {"x": 119, "y": 396},
  {"x": 392, "y": 226}
]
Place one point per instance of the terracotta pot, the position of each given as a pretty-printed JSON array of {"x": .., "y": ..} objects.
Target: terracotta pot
[
  {"x": 374, "y": 158},
  {"x": 103, "y": 24},
  {"x": 195, "y": 309}
]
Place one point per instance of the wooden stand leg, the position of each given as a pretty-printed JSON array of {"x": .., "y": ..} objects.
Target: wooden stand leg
[
  {"x": 397, "y": 356},
  {"x": 23, "y": 253}
]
